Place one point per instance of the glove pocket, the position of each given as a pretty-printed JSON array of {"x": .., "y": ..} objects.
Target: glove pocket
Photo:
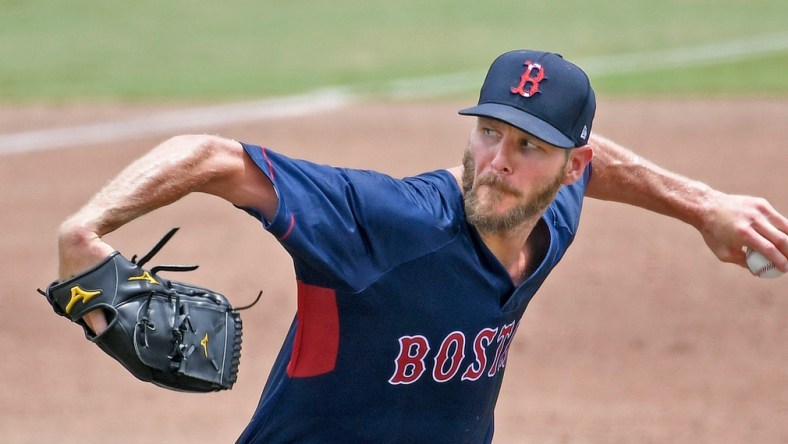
[
  {"x": 192, "y": 343},
  {"x": 119, "y": 339}
]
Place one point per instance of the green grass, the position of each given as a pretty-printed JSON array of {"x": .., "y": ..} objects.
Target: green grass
[
  {"x": 758, "y": 76},
  {"x": 69, "y": 50}
]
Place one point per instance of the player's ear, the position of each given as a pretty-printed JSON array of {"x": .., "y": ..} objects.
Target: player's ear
[{"x": 576, "y": 163}]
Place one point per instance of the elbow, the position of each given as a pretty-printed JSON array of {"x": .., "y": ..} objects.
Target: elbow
[
  {"x": 195, "y": 146},
  {"x": 204, "y": 158}
]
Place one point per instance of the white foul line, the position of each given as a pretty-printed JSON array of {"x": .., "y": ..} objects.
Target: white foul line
[{"x": 329, "y": 99}]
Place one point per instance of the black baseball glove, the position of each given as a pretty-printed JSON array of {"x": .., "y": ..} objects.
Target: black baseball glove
[{"x": 171, "y": 334}]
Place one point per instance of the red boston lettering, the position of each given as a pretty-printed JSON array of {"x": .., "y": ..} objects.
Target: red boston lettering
[
  {"x": 476, "y": 369},
  {"x": 454, "y": 341},
  {"x": 504, "y": 339},
  {"x": 409, "y": 364}
]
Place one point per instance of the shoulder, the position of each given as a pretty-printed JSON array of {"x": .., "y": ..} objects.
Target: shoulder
[{"x": 456, "y": 173}]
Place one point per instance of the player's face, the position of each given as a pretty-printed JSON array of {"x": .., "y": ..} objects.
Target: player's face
[{"x": 509, "y": 177}]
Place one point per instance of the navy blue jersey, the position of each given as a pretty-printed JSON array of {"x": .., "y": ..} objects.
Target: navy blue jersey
[{"x": 404, "y": 316}]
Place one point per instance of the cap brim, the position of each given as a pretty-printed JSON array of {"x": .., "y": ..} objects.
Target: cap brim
[{"x": 521, "y": 120}]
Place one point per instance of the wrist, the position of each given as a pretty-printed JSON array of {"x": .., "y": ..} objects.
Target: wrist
[
  {"x": 699, "y": 200},
  {"x": 79, "y": 248}
]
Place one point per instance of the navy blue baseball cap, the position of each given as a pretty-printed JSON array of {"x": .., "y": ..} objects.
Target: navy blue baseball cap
[{"x": 541, "y": 94}]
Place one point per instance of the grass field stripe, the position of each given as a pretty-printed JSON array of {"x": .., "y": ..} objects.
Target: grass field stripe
[
  {"x": 167, "y": 122},
  {"x": 599, "y": 66},
  {"x": 686, "y": 57},
  {"x": 328, "y": 99}
]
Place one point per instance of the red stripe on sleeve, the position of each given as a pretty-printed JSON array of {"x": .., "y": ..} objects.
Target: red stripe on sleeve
[
  {"x": 289, "y": 229},
  {"x": 270, "y": 164}
]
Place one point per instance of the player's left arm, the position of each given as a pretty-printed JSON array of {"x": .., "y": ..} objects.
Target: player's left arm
[{"x": 727, "y": 222}]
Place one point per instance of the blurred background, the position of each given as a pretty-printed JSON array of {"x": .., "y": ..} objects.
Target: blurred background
[
  {"x": 639, "y": 336},
  {"x": 74, "y": 50}
]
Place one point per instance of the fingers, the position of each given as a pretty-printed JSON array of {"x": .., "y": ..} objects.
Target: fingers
[
  {"x": 773, "y": 244},
  {"x": 96, "y": 320},
  {"x": 738, "y": 257},
  {"x": 770, "y": 235},
  {"x": 735, "y": 223}
]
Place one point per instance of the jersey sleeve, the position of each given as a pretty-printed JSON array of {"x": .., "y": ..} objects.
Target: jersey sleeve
[{"x": 345, "y": 227}]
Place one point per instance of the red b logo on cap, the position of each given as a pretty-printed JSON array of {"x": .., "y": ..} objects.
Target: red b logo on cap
[{"x": 534, "y": 73}]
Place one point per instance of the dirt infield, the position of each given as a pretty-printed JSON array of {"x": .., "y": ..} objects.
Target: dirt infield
[{"x": 640, "y": 336}]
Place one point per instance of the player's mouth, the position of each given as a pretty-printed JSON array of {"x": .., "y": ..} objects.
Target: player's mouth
[{"x": 497, "y": 184}]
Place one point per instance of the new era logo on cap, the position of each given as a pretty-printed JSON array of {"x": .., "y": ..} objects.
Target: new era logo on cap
[{"x": 540, "y": 93}]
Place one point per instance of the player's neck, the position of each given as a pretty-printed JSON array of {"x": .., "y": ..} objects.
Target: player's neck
[{"x": 517, "y": 250}]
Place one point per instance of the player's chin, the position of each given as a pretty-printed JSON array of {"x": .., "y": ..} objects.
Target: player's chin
[
  {"x": 494, "y": 196},
  {"x": 499, "y": 204},
  {"x": 495, "y": 214}
]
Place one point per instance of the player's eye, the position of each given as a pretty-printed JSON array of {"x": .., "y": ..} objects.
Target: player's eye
[
  {"x": 489, "y": 132},
  {"x": 527, "y": 144}
]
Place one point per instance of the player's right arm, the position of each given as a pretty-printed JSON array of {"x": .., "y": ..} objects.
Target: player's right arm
[
  {"x": 172, "y": 170},
  {"x": 727, "y": 222}
]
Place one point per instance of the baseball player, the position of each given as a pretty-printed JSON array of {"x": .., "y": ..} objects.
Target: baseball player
[{"x": 410, "y": 291}]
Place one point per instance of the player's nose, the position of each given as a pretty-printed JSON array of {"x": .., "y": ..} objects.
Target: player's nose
[{"x": 502, "y": 160}]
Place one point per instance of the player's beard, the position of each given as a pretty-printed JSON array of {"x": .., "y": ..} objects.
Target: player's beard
[{"x": 527, "y": 207}]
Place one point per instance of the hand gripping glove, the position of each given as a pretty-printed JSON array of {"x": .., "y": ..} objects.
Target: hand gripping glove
[{"x": 175, "y": 335}]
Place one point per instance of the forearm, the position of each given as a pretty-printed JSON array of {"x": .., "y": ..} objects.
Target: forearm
[
  {"x": 727, "y": 222},
  {"x": 170, "y": 171},
  {"x": 160, "y": 177},
  {"x": 620, "y": 175},
  {"x": 175, "y": 168}
]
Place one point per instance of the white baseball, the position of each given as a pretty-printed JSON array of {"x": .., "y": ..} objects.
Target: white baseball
[{"x": 760, "y": 266}]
